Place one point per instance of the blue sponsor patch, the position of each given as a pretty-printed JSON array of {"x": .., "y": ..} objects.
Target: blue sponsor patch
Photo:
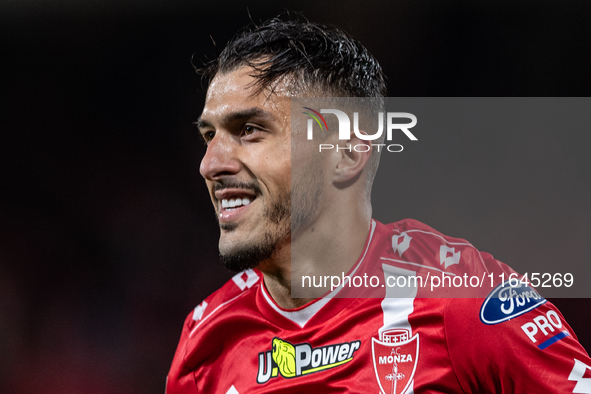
[{"x": 506, "y": 302}]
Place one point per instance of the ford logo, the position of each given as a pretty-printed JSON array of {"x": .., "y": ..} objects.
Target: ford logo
[{"x": 507, "y": 302}]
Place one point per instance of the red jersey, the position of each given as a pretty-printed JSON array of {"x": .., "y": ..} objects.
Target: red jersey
[{"x": 396, "y": 340}]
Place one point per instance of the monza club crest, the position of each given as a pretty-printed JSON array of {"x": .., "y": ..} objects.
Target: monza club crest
[{"x": 395, "y": 360}]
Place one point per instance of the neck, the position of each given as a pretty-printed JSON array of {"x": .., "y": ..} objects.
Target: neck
[{"x": 330, "y": 246}]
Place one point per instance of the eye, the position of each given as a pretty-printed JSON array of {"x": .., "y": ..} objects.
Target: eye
[
  {"x": 249, "y": 130},
  {"x": 252, "y": 132},
  {"x": 208, "y": 136}
]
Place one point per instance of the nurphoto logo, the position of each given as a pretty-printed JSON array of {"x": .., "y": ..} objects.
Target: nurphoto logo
[{"x": 345, "y": 129}]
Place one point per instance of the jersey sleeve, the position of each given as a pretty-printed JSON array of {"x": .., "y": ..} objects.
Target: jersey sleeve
[
  {"x": 186, "y": 361},
  {"x": 525, "y": 346},
  {"x": 180, "y": 379}
]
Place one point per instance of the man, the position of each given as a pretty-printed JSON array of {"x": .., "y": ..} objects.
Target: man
[{"x": 278, "y": 221}]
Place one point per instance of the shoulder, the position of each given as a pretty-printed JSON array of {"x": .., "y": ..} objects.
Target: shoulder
[
  {"x": 215, "y": 317},
  {"x": 414, "y": 241},
  {"x": 518, "y": 344},
  {"x": 232, "y": 291},
  {"x": 414, "y": 235}
]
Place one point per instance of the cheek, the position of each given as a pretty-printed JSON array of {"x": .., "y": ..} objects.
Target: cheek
[
  {"x": 282, "y": 179},
  {"x": 210, "y": 189},
  {"x": 285, "y": 170},
  {"x": 278, "y": 175}
]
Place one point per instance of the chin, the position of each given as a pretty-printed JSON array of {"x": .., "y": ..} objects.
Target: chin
[
  {"x": 245, "y": 256},
  {"x": 243, "y": 250}
]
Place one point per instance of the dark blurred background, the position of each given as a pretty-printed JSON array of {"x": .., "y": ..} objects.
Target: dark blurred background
[{"x": 107, "y": 236}]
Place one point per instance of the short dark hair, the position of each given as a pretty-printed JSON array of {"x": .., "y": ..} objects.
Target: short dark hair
[{"x": 318, "y": 57}]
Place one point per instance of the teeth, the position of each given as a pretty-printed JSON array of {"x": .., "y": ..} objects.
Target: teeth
[{"x": 235, "y": 202}]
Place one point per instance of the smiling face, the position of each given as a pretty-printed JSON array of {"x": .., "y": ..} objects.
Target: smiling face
[{"x": 247, "y": 166}]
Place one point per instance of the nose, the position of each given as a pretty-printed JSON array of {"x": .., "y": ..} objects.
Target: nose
[{"x": 220, "y": 158}]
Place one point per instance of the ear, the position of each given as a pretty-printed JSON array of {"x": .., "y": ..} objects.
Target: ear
[{"x": 353, "y": 156}]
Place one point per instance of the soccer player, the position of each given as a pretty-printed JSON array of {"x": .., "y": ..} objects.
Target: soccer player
[{"x": 285, "y": 212}]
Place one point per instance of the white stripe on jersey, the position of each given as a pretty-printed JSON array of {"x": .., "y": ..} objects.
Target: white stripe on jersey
[{"x": 398, "y": 305}]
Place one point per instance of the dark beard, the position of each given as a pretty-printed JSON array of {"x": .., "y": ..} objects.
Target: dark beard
[{"x": 250, "y": 256}]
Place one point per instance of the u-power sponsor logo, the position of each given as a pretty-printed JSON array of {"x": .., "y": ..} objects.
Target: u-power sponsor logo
[
  {"x": 345, "y": 129},
  {"x": 294, "y": 360},
  {"x": 507, "y": 302}
]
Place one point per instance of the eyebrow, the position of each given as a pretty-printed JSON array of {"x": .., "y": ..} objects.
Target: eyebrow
[{"x": 238, "y": 115}]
